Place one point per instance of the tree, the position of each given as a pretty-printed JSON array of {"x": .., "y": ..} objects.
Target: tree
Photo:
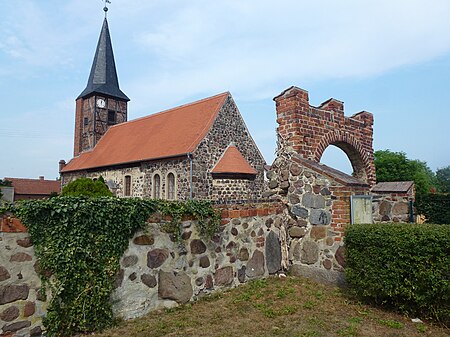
[
  {"x": 395, "y": 166},
  {"x": 4, "y": 182},
  {"x": 443, "y": 179},
  {"x": 87, "y": 187}
]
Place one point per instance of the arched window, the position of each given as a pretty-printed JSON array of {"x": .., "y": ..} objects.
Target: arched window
[
  {"x": 171, "y": 186},
  {"x": 156, "y": 186},
  {"x": 127, "y": 190}
]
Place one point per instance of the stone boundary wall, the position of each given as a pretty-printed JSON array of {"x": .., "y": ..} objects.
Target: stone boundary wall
[
  {"x": 156, "y": 271},
  {"x": 391, "y": 207},
  {"x": 22, "y": 305},
  {"x": 317, "y": 212}
]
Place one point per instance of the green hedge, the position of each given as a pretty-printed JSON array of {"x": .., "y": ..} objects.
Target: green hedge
[
  {"x": 404, "y": 266},
  {"x": 435, "y": 207}
]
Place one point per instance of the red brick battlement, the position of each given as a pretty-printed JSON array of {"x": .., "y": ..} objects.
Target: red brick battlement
[{"x": 310, "y": 130}]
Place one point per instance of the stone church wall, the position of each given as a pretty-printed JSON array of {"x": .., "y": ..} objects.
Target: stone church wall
[
  {"x": 141, "y": 177},
  {"x": 229, "y": 127},
  {"x": 156, "y": 270}
]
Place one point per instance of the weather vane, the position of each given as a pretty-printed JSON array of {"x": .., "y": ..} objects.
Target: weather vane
[{"x": 106, "y": 7}]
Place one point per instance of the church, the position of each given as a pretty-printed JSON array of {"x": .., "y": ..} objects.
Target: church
[{"x": 201, "y": 150}]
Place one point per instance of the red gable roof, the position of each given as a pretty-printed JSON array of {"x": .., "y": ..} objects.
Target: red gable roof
[
  {"x": 233, "y": 161},
  {"x": 170, "y": 133},
  {"x": 35, "y": 186}
]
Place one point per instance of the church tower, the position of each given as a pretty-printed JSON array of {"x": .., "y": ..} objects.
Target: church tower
[{"x": 102, "y": 104}]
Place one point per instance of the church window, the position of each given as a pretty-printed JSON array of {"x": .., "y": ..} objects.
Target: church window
[
  {"x": 156, "y": 186},
  {"x": 111, "y": 117},
  {"x": 127, "y": 191},
  {"x": 171, "y": 189},
  {"x": 86, "y": 121}
]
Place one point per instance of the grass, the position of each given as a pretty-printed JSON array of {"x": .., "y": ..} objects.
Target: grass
[{"x": 276, "y": 307}]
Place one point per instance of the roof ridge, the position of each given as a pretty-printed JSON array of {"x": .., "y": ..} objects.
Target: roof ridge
[{"x": 171, "y": 109}]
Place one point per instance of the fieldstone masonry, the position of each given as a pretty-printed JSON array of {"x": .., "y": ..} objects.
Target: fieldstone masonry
[
  {"x": 21, "y": 303},
  {"x": 301, "y": 229},
  {"x": 228, "y": 127},
  {"x": 156, "y": 271},
  {"x": 317, "y": 201},
  {"x": 317, "y": 197},
  {"x": 159, "y": 273}
]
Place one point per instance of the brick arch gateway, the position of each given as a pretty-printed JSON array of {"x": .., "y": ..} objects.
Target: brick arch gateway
[
  {"x": 309, "y": 130},
  {"x": 359, "y": 159}
]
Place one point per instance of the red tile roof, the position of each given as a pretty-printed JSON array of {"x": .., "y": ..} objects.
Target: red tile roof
[
  {"x": 169, "y": 133},
  {"x": 233, "y": 161},
  {"x": 35, "y": 186}
]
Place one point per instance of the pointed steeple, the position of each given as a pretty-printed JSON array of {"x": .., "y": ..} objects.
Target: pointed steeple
[{"x": 103, "y": 77}]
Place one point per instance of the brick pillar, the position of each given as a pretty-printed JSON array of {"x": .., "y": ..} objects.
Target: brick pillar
[
  {"x": 78, "y": 127},
  {"x": 366, "y": 139},
  {"x": 290, "y": 105}
]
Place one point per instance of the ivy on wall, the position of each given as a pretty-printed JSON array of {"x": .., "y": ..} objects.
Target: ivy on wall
[{"x": 79, "y": 242}]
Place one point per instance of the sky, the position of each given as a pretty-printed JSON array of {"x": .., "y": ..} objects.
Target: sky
[{"x": 391, "y": 58}]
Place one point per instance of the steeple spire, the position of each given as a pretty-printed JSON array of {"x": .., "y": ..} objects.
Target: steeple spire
[{"x": 103, "y": 77}]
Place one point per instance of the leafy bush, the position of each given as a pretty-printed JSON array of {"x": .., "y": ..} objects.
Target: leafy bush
[
  {"x": 405, "y": 266},
  {"x": 80, "y": 240},
  {"x": 435, "y": 207},
  {"x": 87, "y": 187}
]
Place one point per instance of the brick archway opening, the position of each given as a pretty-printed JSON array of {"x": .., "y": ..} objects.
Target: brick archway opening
[{"x": 353, "y": 157}]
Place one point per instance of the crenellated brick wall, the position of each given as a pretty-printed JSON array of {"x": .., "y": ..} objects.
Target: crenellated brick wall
[{"x": 310, "y": 130}]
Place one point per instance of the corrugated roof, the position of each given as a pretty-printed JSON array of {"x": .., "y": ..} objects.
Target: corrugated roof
[
  {"x": 35, "y": 186},
  {"x": 393, "y": 186},
  {"x": 170, "y": 133},
  {"x": 232, "y": 161}
]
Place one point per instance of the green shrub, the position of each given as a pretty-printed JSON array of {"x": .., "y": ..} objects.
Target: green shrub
[
  {"x": 87, "y": 187},
  {"x": 403, "y": 266},
  {"x": 435, "y": 207}
]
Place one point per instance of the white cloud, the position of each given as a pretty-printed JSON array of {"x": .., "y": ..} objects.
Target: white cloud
[
  {"x": 175, "y": 51},
  {"x": 254, "y": 45}
]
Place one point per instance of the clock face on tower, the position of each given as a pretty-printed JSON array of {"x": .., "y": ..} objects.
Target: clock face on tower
[{"x": 101, "y": 103}]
